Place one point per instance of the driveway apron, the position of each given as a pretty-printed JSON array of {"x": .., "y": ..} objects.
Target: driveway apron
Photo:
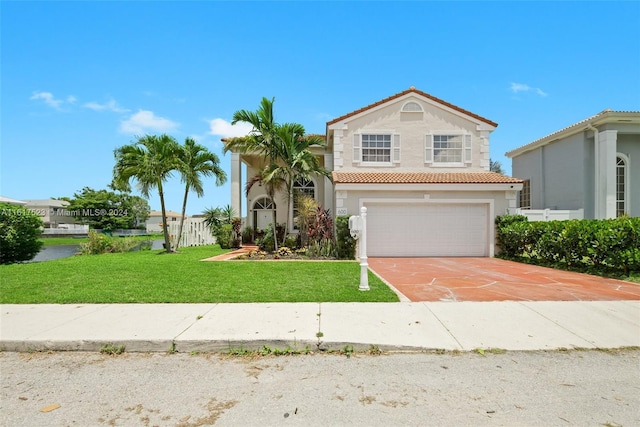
[{"x": 493, "y": 279}]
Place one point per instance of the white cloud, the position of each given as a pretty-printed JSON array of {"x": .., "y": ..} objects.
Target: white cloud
[
  {"x": 71, "y": 99},
  {"x": 521, "y": 87},
  {"x": 540, "y": 92},
  {"x": 48, "y": 99},
  {"x": 110, "y": 105},
  {"x": 225, "y": 129},
  {"x": 144, "y": 121}
]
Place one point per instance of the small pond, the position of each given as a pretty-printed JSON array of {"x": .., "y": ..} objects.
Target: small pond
[{"x": 49, "y": 253}]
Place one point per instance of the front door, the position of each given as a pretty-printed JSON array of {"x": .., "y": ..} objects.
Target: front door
[
  {"x": 263, "y": 218},
  {"x": 263, "y": 213}
]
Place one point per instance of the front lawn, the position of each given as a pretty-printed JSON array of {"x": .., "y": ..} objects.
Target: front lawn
[{"x": 151, "y": 277}]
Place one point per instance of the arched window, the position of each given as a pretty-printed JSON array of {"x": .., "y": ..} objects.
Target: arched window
[
  {"x": 411, "y": 107},
  {"x": 622, "y": 184},
  {"x": 264, "y": 203},
  {"x": 302, "y": 186}
]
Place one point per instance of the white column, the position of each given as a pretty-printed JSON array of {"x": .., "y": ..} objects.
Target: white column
[
  {"x": 236, "y": 184},
  {"x": 607, "y": 141},
  {"x": 364, "y": 266},
  {"x": 328, "y": 185}
]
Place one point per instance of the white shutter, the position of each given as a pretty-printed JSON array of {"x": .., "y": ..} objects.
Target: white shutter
[
  {"x": 357, "y": 156},
  {"x": 428, "y": 149},
  {"x": 467, "y": 148},
  {"x": 396, "y": 148}
]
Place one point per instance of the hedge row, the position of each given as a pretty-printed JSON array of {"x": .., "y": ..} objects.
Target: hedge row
[{"x": 602, "y": 245}]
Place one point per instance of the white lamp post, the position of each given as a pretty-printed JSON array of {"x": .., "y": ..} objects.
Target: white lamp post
[{"x": 358, "y": 228}]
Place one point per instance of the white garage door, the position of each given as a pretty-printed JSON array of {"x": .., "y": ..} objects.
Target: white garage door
[{"x": 427, "y": 230}]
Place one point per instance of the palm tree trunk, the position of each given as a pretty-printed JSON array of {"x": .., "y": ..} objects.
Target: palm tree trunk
[
  {"x": 289, "y": 212},
  {"x": 275, "y": 231},
  {"x": 184, "y": 208},
  {"x": 165, "y": 228}
]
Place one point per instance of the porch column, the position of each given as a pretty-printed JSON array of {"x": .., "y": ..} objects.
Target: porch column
[
  {"x": 236, "y": 184},
  {"x": 328, "y": 185},
  {"x": 607, "y": 141}
]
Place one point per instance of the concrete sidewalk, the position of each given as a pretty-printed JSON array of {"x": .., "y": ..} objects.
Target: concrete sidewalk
[{"x": 390, "y": 326}]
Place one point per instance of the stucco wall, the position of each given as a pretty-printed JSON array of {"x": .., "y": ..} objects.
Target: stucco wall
[
  {"x": 412, "y": 128},
  {"x": 563, "y": 174},
  {"x": 556, "y": 172},
  {"x": 351, "y": 199},
  {"x": 258, "y": 192}
]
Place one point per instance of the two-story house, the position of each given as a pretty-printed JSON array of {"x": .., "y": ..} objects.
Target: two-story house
[
  {"x": 419, "y": 165},
  {"x": 587, "y": 165}
]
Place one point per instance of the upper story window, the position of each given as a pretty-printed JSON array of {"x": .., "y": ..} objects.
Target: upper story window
[
  {"x": 301, "y": 187},
  {"x": 411, "y": 107},
  {"x": 382, "y": 149},
  {"x": 448, "y": 149},
  {"x": 376, "y": 148},
  {"x": 304, "y": 186}
]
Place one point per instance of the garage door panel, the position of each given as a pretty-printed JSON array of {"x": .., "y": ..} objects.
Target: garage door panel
[{"x": 427, "y": 230}]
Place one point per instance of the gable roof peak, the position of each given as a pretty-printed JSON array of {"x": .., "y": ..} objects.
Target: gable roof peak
[{"x": 412, "y": 89}]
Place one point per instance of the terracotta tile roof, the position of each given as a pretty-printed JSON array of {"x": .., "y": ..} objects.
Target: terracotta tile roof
[
  {"x": 418, "y": 92},
  {"x": 422, "y": 178},
  {"x": 240, "y": 138}
]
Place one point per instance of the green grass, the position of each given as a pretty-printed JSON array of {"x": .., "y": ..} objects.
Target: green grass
[{"x": 152, "y": 277}]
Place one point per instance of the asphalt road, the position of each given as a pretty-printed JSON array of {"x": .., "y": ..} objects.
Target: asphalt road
[{"x": 583, "y": 388}]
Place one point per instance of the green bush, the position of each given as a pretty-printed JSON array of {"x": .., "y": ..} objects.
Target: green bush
[
  {"x": 225, "y": 236},
  {"x": 346, "y": 244},
  {"x": 266, "y": 241},
  {"x": 611, "y": 245},
  {"x": 292, "y": 241},
  {"x": 100, "y": 243},
  {"x": 20, "y": 229},
  {"x": 247, "y": 234}
]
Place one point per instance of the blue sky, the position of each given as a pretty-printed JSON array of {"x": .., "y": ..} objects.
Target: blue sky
[{"x": 79, "y": 79}]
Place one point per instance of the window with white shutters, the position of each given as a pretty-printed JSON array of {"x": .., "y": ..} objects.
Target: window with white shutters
[
  {"x": 376, "y": 149},
  {"x": 447, "y": 149}
]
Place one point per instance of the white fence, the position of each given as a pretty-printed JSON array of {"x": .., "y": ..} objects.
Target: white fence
[
  {"x": 550, "y": 215},
  {"x": 66, "y": 230},
  {"x": 194, "y": 232}
]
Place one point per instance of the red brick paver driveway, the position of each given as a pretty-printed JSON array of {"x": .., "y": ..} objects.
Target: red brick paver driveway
[{"x": 493, "y": 279}]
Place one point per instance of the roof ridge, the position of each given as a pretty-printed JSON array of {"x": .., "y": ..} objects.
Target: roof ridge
[
  {"x": 576, "y": 124},
  {"x": 419, "y": 92}
]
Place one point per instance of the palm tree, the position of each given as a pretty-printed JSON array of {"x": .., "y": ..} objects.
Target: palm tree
[
  {"x": 296, "y": 160},
  {"x": 150, "y": 161},
  {"x": 196, "y": 161},
  {"x": 260, "y": 139},
  {"x": 285, "y": 147},
  {"x": 271, "y": 177}
]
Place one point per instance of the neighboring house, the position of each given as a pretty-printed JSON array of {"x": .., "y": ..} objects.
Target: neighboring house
[
  {"x": 591, "y": 165},
  {"x": 54, "y": 213},
  {"x": 12, "y": 201},
  {"x": 154, "y": 222},
  {"x": 419, "y": 165}
]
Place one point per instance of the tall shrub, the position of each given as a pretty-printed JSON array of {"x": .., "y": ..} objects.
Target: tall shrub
[
  {"x": 346, "y": 244},
  {"x": 20, "y": 229}
]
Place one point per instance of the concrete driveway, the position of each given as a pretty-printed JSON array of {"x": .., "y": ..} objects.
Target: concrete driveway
[{"x": 493, "y": 279}]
